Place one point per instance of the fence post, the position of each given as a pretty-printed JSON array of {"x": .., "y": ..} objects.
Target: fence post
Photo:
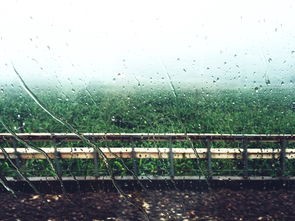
[
  {"x": 245, "y": 159},
  {"x": 209, "y": 159},
  {"x": 134, "y": 160},
  {"x": 18, "y": 161},
  {"x": 95, "y": 153},
  {"x": 283, "y": 145},
  {"x": 57, "y": 158},
  {"x": 171, "y": 160}
]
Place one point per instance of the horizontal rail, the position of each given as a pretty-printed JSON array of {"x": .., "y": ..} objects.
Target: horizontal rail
[
  {"x": 164, "y": 178},
  {"x": 139, "y": 152},
  {"x": 148, "y": 137}
]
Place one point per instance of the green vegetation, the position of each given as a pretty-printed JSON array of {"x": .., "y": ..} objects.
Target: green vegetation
[{"x": 156, "y": 111}]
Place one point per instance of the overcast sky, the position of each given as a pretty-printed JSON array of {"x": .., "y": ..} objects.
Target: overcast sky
[{"x": 199, "y": 42}]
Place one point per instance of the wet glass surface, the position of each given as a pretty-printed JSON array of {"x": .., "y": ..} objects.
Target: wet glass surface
[{"x": 147, "y": 110}]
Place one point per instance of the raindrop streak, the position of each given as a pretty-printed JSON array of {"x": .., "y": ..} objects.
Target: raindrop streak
[
  {"x": 2, "y": 181},
  {"x": 70, "y": 127},
  {"x": 91, "y": 96},
  {"x": 37, "y": 149},
  {"x": 16, "y": 167},
  {"x": 35, "y": 98},
  {"x": 171, "y": 85},
  {"x": 125, "y": 166},
  {"x": 189, "y": 140},
  {"x": 48, "y": 112}
]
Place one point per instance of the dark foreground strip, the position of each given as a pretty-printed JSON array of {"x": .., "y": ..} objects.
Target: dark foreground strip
[
  {"x": 182, "y": 205},
  {"x": 86, "y": 184}
]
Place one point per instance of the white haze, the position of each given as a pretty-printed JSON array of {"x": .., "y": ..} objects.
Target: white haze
[{"x": 201, "y": 43}]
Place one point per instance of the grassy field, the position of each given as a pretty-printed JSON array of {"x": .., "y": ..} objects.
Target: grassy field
[{"x": 154, "y": 111}]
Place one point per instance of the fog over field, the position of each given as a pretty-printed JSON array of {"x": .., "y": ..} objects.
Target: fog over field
[{"x": 203, "y": 44}]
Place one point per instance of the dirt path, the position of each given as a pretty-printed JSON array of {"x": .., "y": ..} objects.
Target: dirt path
[{"x": 159, "y": 205}]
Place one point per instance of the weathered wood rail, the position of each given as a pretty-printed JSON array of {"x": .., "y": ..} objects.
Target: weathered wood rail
[
  {"x": 281, "y": 152},
  {"x": 145, "y": 153},
  {"x": 148, "y": 137}
]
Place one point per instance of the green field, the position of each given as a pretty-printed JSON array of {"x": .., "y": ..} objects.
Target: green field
[{"x": 149, "y": 111}]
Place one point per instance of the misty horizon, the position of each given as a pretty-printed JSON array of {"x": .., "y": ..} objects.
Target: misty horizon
[{"x": 197, "y": 44}]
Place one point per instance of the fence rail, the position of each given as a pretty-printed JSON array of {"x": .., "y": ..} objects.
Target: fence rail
[
  {"x": 144, "y": 153},
  {"x": 147, "y": 137},
  {"x": 153, "y": 178},
  {"x": 281, "y": 152}
]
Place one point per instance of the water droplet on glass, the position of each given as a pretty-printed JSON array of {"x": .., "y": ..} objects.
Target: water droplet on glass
[{"x": 256, "y": 89}]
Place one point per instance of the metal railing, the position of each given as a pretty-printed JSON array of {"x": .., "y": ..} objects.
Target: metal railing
[{"x": 243, "y": 153}]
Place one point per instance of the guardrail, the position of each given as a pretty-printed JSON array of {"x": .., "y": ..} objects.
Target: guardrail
[
  {"x": 148, "y": 137},
  {"x": 144, "y": 153},
  {"x": 281, "y": 152}
]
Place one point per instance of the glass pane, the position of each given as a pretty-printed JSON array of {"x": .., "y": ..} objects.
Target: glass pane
[{"x": 160, "y": 110}]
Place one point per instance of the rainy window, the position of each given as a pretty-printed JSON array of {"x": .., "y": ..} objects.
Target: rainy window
[{"x": 147, "y": 110}]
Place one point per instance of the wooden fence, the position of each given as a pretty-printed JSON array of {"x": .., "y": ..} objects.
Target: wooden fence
[{"x": 281, "y": 152}]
